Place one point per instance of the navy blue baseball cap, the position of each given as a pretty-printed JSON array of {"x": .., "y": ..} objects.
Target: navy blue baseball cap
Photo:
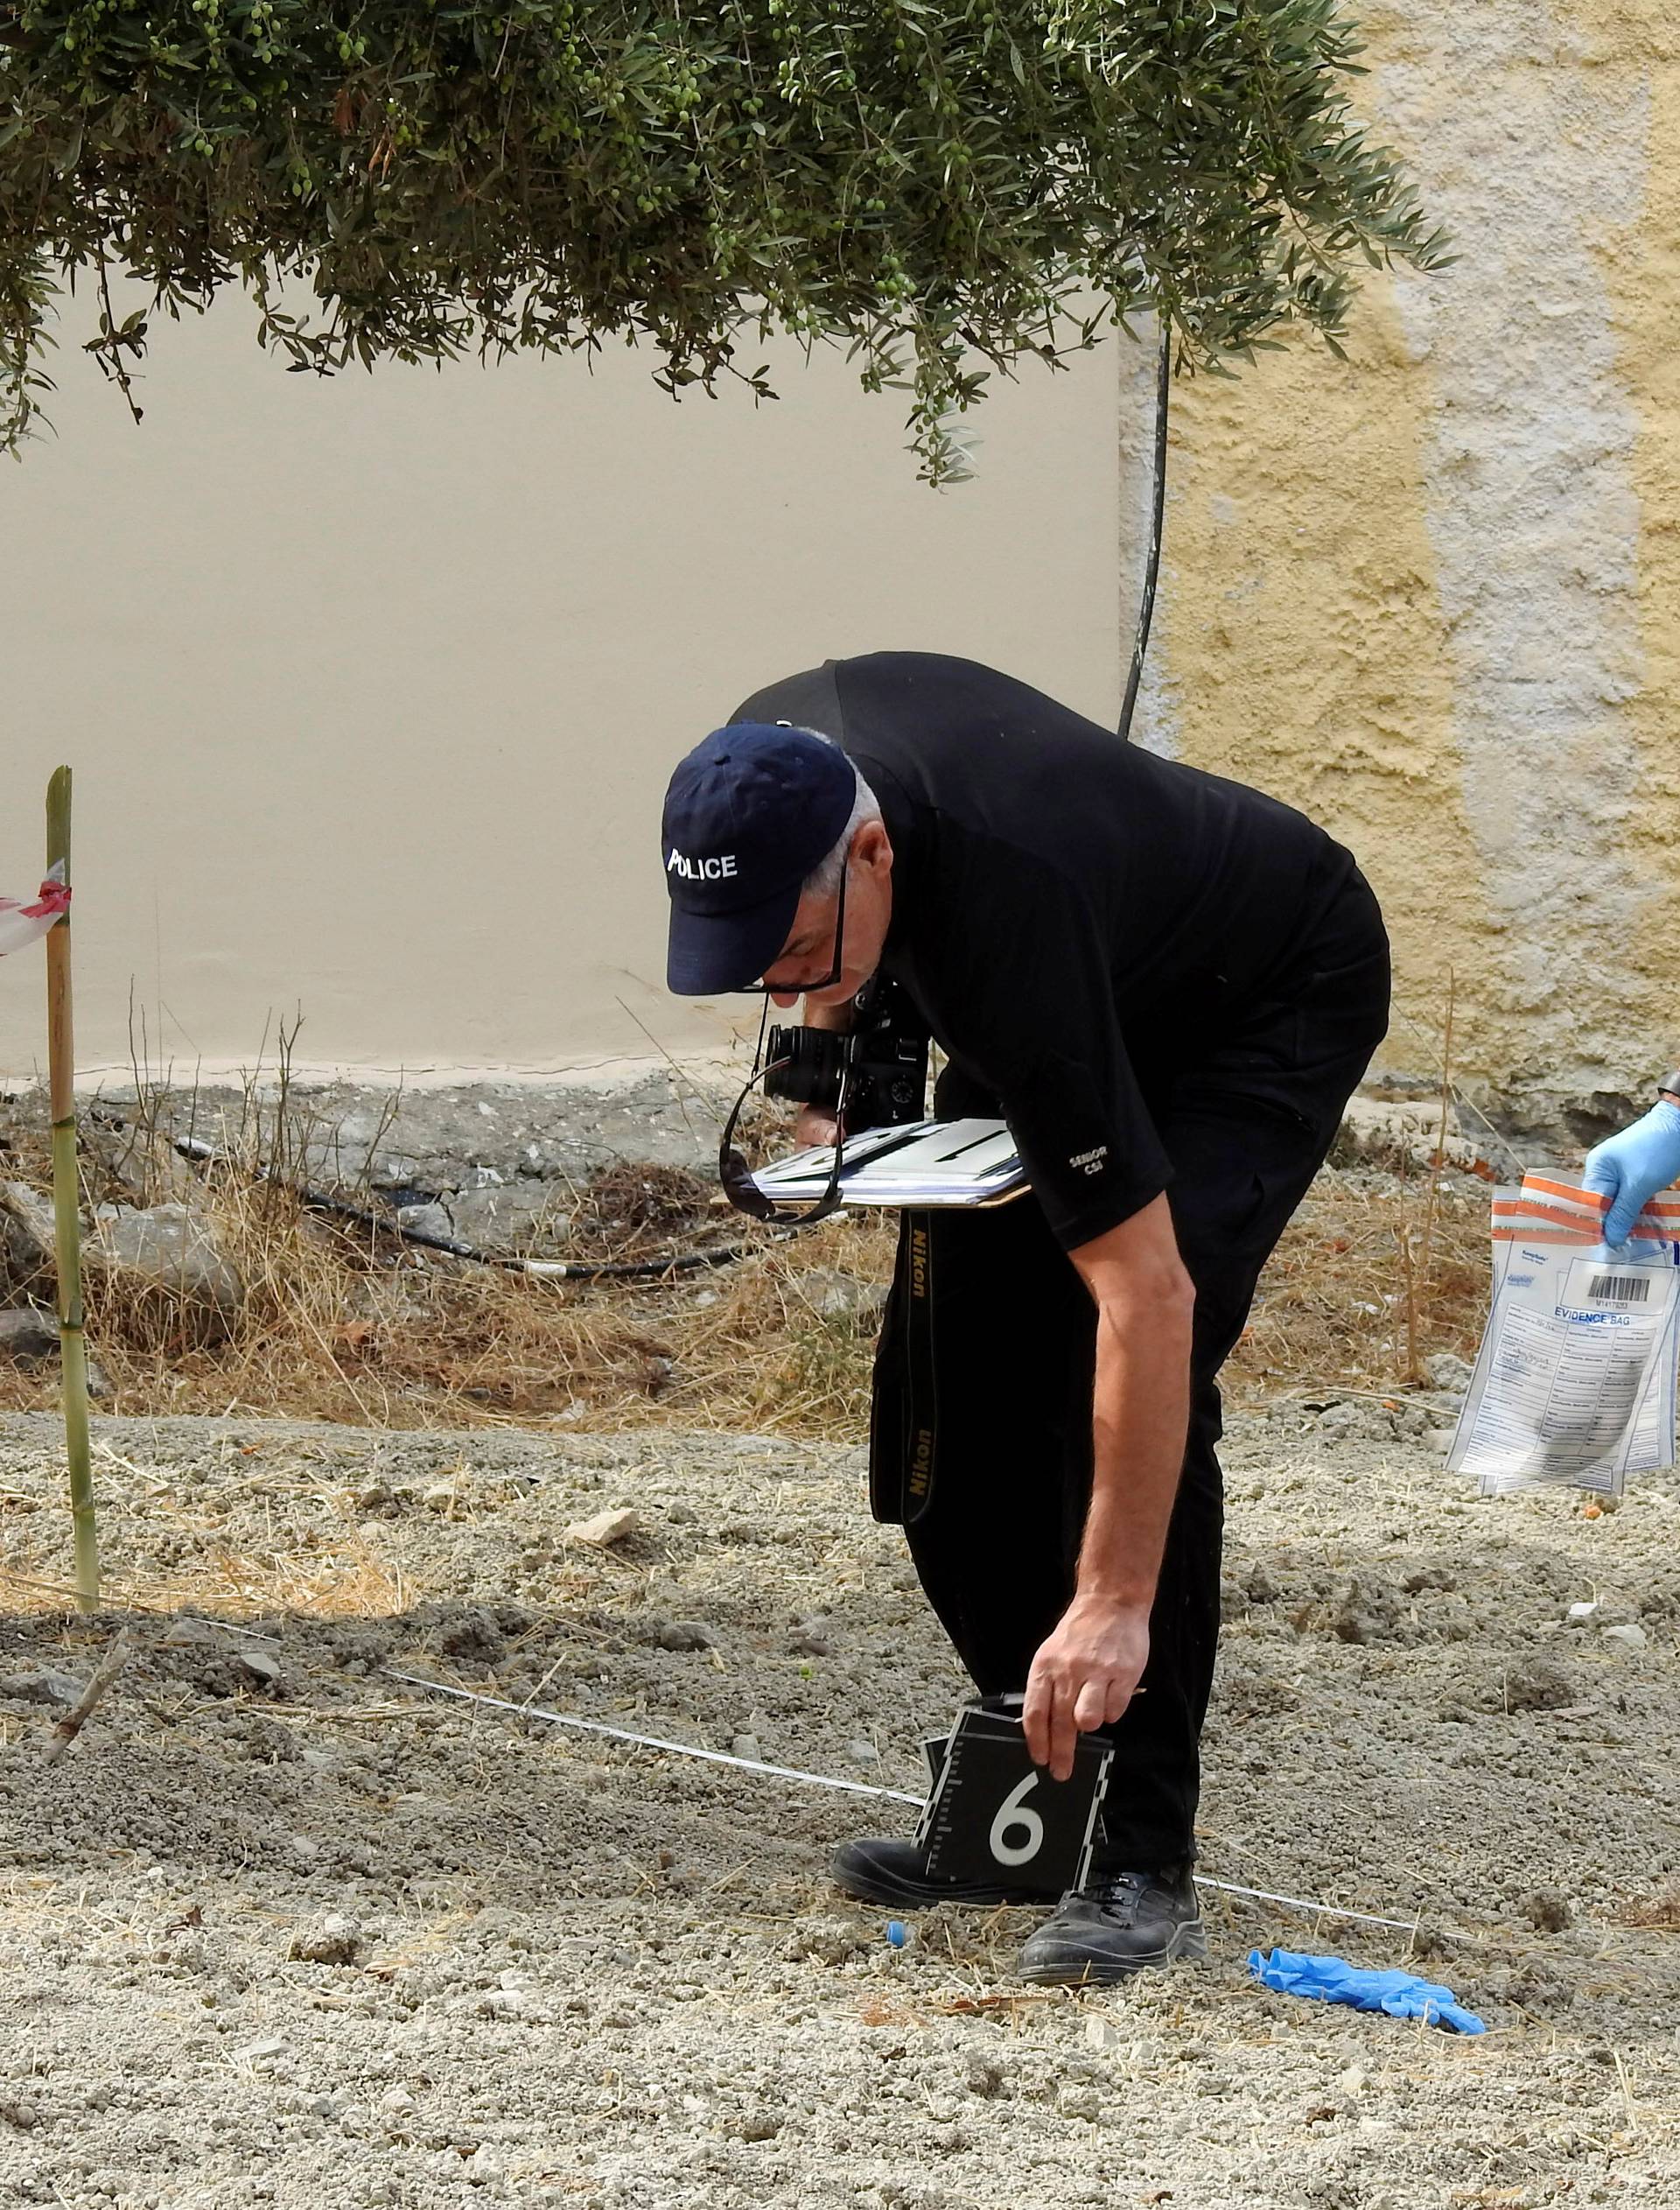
[{"x": 749, "y": 813}]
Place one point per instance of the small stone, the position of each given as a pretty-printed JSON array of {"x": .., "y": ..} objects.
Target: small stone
[
  {"x": 439, "y": 1498},
  {"x": 1448, "y": 1372},
  {"x": 862, "y": 1752},
  {"x": 333, "y": 1940},
  {"x": 262, "y": 1665},
  {"x": 504, "y": 2002},
  {"x": 1336, "y": 1418},
  {"x": 263, "y": 2051},
  {"x": 43, "y": 1687},
  {"x": 172, "y": 1248},
  {"x": 1548, "y": 1910},
  {"x": 984, "y": 2077},
  {"x": 27, "y": 1336},
  {"x": 425, "y": 1220},
  {"x": 1539, "y": 1684},
  {"x": 27, "y": 1245},
  {"x": 1583, "y": 1610},
  {"x": 1630, "y": 1637},
  {"x": 396, "y": 2101},
  {"x": 680, "y": 1634},
  {"x": 604, "y": 1528},
  {"x": 1103, "y": 2033},
  {"x": 746, "y": 1745}
]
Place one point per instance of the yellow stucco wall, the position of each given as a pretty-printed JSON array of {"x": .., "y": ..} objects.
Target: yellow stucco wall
[
  {"x": 1434, "y": 595},
  {"x": 1644, "y": 272},
  {"x": 1304, "y": 647}
]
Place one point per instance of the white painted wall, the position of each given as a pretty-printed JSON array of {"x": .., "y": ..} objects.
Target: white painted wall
[{"x": 372, "y": 686}]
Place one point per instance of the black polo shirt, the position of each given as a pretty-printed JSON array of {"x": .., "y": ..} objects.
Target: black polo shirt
[{"x": 1074, "y": 917}]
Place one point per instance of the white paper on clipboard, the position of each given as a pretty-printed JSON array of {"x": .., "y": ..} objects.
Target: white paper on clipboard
[{"x": 917, "y": 1163}]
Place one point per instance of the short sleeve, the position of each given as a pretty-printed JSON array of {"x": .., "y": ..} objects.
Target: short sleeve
[{"x": 1024, "y": 990}]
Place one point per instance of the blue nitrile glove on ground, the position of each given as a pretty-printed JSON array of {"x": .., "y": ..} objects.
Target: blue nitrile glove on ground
[
  {"x": 1333, "y": 1980},
  {"x": 1633, "y": 1166}
]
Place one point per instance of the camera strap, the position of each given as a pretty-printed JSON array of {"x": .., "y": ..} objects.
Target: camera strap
[{"x": 904, "y": 1409}]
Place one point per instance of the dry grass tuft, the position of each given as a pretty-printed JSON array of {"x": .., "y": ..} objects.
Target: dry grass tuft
[
  {"x": 1659, "y": 1913},
  {"x": 1380, "y": 1269},
  {"x": 347, "y": 1324},
  {"x": 1332, "y": 1308}
]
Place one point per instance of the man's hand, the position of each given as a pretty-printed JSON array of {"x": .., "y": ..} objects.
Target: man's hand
[
  {"x": 814, "y": 1125},
  {"x": 1083, "y": 1677}
]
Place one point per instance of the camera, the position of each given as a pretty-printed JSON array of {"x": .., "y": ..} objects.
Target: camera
[{"x": 882, "y": 1059}]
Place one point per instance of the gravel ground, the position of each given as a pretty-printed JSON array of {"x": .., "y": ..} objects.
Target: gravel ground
[{"x": 280, "y": 1928}]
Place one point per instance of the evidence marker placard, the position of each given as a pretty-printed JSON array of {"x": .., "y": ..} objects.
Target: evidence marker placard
[{"x": 994, "y": 1816}]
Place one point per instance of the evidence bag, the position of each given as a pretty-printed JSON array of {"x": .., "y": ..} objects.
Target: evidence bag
[{"x": 1574, "y": 1383}]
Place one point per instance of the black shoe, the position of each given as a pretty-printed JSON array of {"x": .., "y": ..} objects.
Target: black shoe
[
  {"x": 1120, "y": 1923},
  {"x": 897, "y": 1872}
]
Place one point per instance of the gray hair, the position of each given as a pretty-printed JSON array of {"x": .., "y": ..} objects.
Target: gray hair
[{"x": 824, "y": 879}]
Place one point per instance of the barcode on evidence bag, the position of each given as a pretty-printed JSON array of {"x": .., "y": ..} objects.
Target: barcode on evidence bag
[{"x": 1619, "y": 1288}]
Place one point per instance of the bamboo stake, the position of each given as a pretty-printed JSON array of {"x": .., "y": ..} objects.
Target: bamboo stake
[{"x": 67, "y": 1196}]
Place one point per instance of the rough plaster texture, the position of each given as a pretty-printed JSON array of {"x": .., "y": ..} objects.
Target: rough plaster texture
[{"x": 1432, "y": 595}]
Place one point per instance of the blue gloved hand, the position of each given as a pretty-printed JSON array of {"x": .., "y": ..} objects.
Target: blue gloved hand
[{"x": 1632, "y": 1166}]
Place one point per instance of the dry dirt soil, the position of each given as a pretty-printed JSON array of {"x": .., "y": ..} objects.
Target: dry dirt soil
[{"x": 279, "y": 1927}]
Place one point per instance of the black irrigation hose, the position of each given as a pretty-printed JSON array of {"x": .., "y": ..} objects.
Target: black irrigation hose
[
  {"x": 1152, "y": 566},
  {"x": 540, "y": 1269}
]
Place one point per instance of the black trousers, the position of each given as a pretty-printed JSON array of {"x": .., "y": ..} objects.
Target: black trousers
[{"x": 981, "y": 1419}]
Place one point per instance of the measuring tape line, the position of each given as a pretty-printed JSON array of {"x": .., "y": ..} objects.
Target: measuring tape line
[
  {"x": 827, "y": 1780},
  {"x": 708, "y": 1756},
  {"x": 650, "y": 1741}
]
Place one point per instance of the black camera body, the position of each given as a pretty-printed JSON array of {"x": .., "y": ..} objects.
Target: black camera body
[{"x": 882, "y": 1059}]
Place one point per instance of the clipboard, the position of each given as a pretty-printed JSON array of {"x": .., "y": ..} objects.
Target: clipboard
[{"x": 909, "y": 1167}]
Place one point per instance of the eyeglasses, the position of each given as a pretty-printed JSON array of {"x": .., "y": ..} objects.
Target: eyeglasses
[
  {"x": 733, "y": 1172},
  {"x": 762, "y": 989}
]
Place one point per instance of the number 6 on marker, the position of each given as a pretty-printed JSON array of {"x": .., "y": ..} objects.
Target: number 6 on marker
[{"x": 1013, "y": 1816}]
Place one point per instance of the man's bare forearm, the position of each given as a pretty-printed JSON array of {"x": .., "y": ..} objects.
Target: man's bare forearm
[
  {"x": 1085, "y": 1672},
  {"x": 1141, "y": 1413}
]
